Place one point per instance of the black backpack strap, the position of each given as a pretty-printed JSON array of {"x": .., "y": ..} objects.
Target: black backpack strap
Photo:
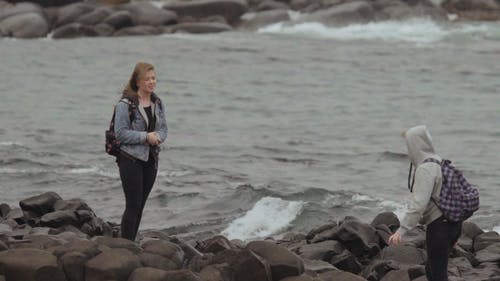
[
  {"x": 131, "y": 107},
  {"x": 432, "y": 160}
]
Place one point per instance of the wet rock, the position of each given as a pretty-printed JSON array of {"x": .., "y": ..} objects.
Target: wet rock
[
  {"x": 145, "y": 13},
  {"x": 231, "y": 10},
  {"x": 476, "y": 10},
  {"x": 320, "y": 251},
  {"x": 40, "y": 204},
  {"x": 73, "y": 264},
  {"x": 29, "y": 265},
  {"x": 485, "y": 239},
  {"x": 92, "y": 18},
  {"x": 404, "y": 254},
  {"x": 271, "y": 5},
  {"x": 88, "y": 248},
  {"x": 214, "y": 245},
  {"x": 115, "y": 264},
  {"x": 119, "y": 19},
  {"x": 17, "y": 215},
  {"x": 379, "y": 268},
  {"x": 69, "y": 13},
  {"x": 489, "y": 254},
  {"x": 349, "y": 12},
  {"x": 388, "y": 219},
  {"x": 216, "y": 272},
  {"x": 346, "y": 261},
  {"x": 244, "y": 265},
  {"x": 360, "y": 238},
  {"x": 314, "y": 267},
  {"x": 4, "y": 210},
  {"x": 59, "y": 218},
  {"x": 396, "y": 275},
  {"x": 312, "y": 233},
  {"x": 19, "y": 9},
  {"x": 166, "y": 249},
  {"x": 121, "y": 243},
  {"x": 283, "y": 262},
  {"x": 27, "y": 25},
  {"x": 74, "y": 30},
  {"x": 261, "y": 19}
]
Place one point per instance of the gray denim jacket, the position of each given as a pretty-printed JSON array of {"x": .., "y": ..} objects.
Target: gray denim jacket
[{"x": 132, "y": 135}]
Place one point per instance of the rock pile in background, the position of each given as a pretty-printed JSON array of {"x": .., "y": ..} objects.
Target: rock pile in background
[
  {"x": 49, "y": 238},
  {"x": 70, "y": 19}
]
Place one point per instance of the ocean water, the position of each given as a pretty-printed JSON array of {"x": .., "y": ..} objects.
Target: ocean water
[{"x": 279, "y": 130}]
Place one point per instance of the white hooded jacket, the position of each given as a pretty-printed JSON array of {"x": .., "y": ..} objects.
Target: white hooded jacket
[{"x": 421, "y": 205}]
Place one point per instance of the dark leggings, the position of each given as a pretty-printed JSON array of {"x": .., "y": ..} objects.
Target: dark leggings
[
  {"x": 137, "y": 179},
  {"x": 440, "y": 237}
]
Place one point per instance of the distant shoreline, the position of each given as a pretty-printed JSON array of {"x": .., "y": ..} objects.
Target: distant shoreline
[{"x": 109, "y": 18}]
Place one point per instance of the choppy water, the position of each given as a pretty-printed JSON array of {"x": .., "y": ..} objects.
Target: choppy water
[{"x": 283, "y": 129}]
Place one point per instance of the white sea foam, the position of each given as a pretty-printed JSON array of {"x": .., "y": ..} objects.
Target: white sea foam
[
  {"x": 268, "y": 216},
  {"x": 10, "y": 143},
  {"x": 419, "y": 30},
  {"x": 497, "y": 229}
]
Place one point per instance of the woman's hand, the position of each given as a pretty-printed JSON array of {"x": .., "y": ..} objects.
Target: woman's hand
[
  {"x": 152, "y": 138},
  {"x": 395, "y": 239}
]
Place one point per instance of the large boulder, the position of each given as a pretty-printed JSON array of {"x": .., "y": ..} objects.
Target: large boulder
[
  {"x": 119, "y": 19},
  {"x": 17, "y": 9},
  {"x": 489, "y": 254},
  {"x": 145, "y": 13},
  {"x": 27, "y": 25},
  {"x": 342, "y": 14},
  {"x": 257, "y": 20},
  {"x": 121, "y": 243},
  {"x": 74, "y": 30},
  {"x": 29, "y": 265},
  {"x": 68, "y": 14},
  {"x": 168, "y": 250},
  {"x": 360, "y": 238},
  {"x": 59, "y": 218},
  {"x": 282, "y": 261},
  {"x": 479, "y": 10},
  {"x": 485, "y": 239},
  {"x": 92, "y": 18},
  {"x": 231, "y": 10},
  {"x": 40, "y": 204},
  {"x": 244, "y": 265},
  {"x": 402, "y": 10},
  {"x": 404, "y": 254},
  {"x": 386, "y": 218},
  {"x": 320, "y": 251},
  {"x": 114, "y": 264}
]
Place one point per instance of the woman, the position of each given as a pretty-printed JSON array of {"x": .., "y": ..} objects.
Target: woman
[
  {"x": 441, "y": 234},
  {"x": 140, "y": 127}
]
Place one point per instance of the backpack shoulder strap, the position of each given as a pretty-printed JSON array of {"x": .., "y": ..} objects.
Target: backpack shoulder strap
[
  {"x": 434, "y": 161},
  {"x": 131, "y": 107}
]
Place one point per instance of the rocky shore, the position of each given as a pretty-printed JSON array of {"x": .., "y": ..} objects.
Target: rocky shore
[
  {"x": 70, "y": 19},
  {"x": 49, "y": 238}
]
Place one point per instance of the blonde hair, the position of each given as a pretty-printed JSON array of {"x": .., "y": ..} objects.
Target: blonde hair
[{"x": 141, "y": 68}]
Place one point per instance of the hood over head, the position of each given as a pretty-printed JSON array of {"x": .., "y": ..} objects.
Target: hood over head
[{"x": 419, "y": 143}]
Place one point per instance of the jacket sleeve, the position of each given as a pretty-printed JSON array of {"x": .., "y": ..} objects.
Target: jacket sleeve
[
  {"x": 418, "y": 200},
  {"x": 163, "y": 128},
  {"x": 123, "y": 128}
]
